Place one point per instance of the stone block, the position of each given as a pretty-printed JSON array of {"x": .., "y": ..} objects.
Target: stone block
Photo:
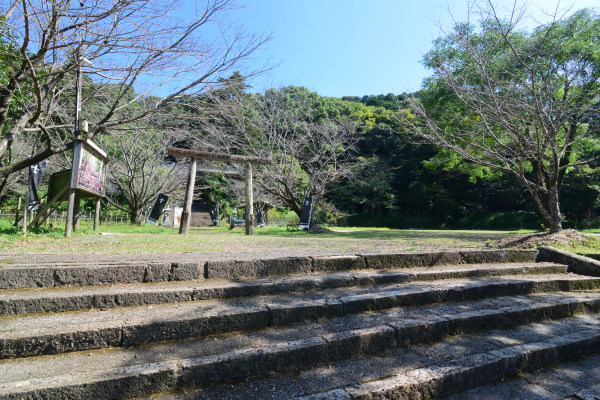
[
  {"x": 187, "y": 271},
  {"x": 395, "y": 387},
  {"x": 498, "y": 256},
  {"x": 239, "y": 290},
  {"x": 298, "y": 354},
  {"x": 383, "y": 277},
  {"x": 99, "y": 275},
  {"x": 157, "y": 272},
  {"x": 126, "y": 299},
  {"x": 410, "y": 260},
  {"x": 251, "y": 318},
  {"x": 132, "y": 381},
  {"x": 12, "y": 278},
  {"x": 280, "y": 314},
  {"x": 218, "y": 368},
  {"x": 421, "y": 330},
  {"x": 578, "y": 264},
  {"x": 338, "y": 263},
  {"x": 258, "y": 268},
  {"x": 384, "y": 300},
  {"x": 358, "y": 342},
  {"x": 60, "y": 343}
]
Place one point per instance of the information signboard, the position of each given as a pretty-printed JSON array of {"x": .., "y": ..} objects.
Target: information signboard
[
  {"x": 89, "y": 168},
  {"x": 157, "y": 210},
  {"x": 306, "y": 213},
  {"x": 177, "y": 211}
]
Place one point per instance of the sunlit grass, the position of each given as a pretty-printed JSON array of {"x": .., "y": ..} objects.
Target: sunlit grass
[{"x": 125, "y": 238}]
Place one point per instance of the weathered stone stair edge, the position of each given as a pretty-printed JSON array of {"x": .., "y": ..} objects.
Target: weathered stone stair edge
[
  {"x": 255, "y": 317},
  {"x": 22, "y": 277},
  {"x": 119, "y": 297},
  {"x": 577, "y": 263},
  {"x": 442, "y": 380}
]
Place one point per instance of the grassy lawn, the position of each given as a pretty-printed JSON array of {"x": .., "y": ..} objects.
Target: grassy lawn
[
  {"x": 592, "y": 231},
  {"x": 128, "y": 239}
]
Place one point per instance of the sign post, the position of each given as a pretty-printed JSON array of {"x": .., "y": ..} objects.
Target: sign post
[
  {"x": 249, "y": 201},
  {"x": 87, "y": 176},
  {"x": 157, "y": 209}
]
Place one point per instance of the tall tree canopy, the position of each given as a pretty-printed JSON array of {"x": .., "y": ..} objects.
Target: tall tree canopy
[
  {"x": 515, "y": 101},
  {"x": 309, "y": 138}
]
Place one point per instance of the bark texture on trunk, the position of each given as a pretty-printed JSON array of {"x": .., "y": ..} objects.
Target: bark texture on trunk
[{"x": 549, "y": 208}]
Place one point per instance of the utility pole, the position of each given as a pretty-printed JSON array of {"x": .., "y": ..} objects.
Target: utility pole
[{"x": 73, "y": 205}]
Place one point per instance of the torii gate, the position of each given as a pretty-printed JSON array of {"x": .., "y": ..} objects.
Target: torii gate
[{"x": 194, "y": 155}]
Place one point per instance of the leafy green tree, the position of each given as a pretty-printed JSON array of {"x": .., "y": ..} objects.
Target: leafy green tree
[
  {"x": 367, "y": 188},
  {"x": 515, "y": 101},
  {"x": 309, "y": 138}
]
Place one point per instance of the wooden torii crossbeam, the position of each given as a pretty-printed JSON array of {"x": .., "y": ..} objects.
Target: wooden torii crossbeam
[{"x": 195, "y": 155}]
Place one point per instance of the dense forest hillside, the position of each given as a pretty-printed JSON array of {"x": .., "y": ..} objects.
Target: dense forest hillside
[{"x": 381, "y": 175}]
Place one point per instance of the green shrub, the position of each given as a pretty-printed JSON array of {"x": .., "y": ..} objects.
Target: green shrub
[
  {"x": 508, "y": 220},
  {"x": 504, "y": 220},
  {"x": 392, "y": 221},
  {"x": 588, "y": 223}
]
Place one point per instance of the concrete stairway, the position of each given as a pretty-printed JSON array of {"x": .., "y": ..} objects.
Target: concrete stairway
[{"x": 363, "y": 327}]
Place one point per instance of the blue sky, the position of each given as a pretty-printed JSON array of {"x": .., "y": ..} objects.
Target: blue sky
[{"x": 351, "y": 47}]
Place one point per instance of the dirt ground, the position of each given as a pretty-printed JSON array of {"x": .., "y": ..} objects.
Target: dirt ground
[
  {"x": 215, "y": 245},
  {"x": 205, "y": 245},
  {"x": 567, "y": 237}
]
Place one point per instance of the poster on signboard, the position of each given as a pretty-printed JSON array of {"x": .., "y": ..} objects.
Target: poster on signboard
[
  {"x": 91, "y": 172},
  {"x": 89, "y": 168},
  {"x": 177, "y": 211}
]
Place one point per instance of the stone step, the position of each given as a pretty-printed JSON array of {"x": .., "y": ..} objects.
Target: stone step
[
  {"x": 454, "y": 364},
  {"x": 472, "y": 361},
  {"x": 68, "y": 298},
  {"x": 96, "y": 273},
  {"x": 31, "y": 335},
  {"x": 578, "y": 379},
  {"x": 435, "y": 370}
]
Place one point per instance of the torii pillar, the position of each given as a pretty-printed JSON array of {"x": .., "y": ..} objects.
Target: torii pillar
[{"x": 193, "y": 155}]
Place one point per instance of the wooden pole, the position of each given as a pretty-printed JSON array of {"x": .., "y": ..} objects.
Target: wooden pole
[
  {"x": 232, "y": 158},
  {"x": 186, "y": 215},
  {"x": 76, "y": 211},
  {"x": 205, "y": 155},
  {"x": 249, "y": 201},
  {"x": 97, "y": 214},
  {"x": 69, "y": 222},
  {"x": 25, "y": 212},
  {"x": 39, "y": 214},
  {"x": 17, "y": 212},
  {"x": 48, "y": 206}
]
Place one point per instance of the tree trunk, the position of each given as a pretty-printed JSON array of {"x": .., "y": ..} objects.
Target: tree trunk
[
  {"x": 135, "y": 216},
  {"x": 554, "y": 210},
  {"x": 295, "y": 207},
  {"x": 3, "y": 185},
  {"x": 549, "y": 209}
]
